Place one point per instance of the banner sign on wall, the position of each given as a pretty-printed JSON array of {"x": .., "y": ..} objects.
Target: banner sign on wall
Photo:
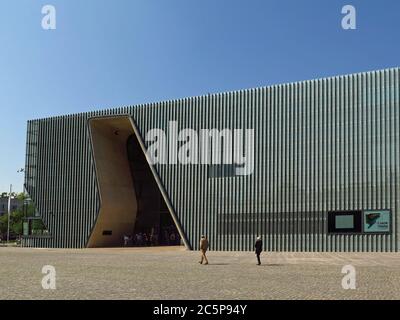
[{"x": 376, "y": 221}]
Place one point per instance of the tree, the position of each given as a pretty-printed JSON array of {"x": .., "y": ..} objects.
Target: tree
[
  {"x": 17, "y": 217},
  {"x": 5, "y": 194},
  {"x": 3, "y": 224}
]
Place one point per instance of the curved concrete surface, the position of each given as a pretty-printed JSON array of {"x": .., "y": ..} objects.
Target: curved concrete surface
[{"x": 118, "y": 200}]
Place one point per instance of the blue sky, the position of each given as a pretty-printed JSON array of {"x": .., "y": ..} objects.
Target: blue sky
[{"x": 110, "y": 53}]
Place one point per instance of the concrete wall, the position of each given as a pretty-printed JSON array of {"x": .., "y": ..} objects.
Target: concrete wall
[{"x": 118, "y": 200}]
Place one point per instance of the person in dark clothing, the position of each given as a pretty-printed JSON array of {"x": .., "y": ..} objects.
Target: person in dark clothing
[{"x": 258, "y": 247}]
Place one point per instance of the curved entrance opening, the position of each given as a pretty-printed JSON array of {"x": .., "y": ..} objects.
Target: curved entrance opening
[{"x": 134, "y": 208}]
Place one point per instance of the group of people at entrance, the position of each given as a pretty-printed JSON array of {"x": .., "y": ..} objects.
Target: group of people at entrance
[
  {"x": 168, "y": 236},
  {"x": 204, "y": 247}
]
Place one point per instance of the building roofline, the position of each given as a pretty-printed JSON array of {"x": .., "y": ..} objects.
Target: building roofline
[{"x": 148, "y": 104}]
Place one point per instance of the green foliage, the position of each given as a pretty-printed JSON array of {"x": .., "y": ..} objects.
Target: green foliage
[
  {"x": 18, "y": 217},
  {"x": 3, "y": 224},
  {"x": 38, "y": 225},
  {"x": 21, "y": 196},
  {"x": 15, "y": 223},
  {"x": 13, "y": 194}
]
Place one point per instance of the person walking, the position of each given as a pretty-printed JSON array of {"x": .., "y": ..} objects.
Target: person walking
[
  {"x": 258, "y": 247},
  {"x": 203, "y": 249}
]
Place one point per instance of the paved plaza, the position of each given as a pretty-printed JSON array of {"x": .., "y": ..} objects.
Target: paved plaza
[{"x": 174, "y": 273}]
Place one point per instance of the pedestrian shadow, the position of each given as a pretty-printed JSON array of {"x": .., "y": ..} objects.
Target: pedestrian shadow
[{"x": 272, "y": 265}]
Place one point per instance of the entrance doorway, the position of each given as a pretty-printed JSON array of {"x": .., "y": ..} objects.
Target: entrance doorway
[
  {"x": 134, "y": 208},
  {"x": 154, "y": 225}
]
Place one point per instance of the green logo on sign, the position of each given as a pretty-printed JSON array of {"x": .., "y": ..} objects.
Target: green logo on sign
[
  {"x": 371, "y": 219},
  {"x": 377, "y": 221}
]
